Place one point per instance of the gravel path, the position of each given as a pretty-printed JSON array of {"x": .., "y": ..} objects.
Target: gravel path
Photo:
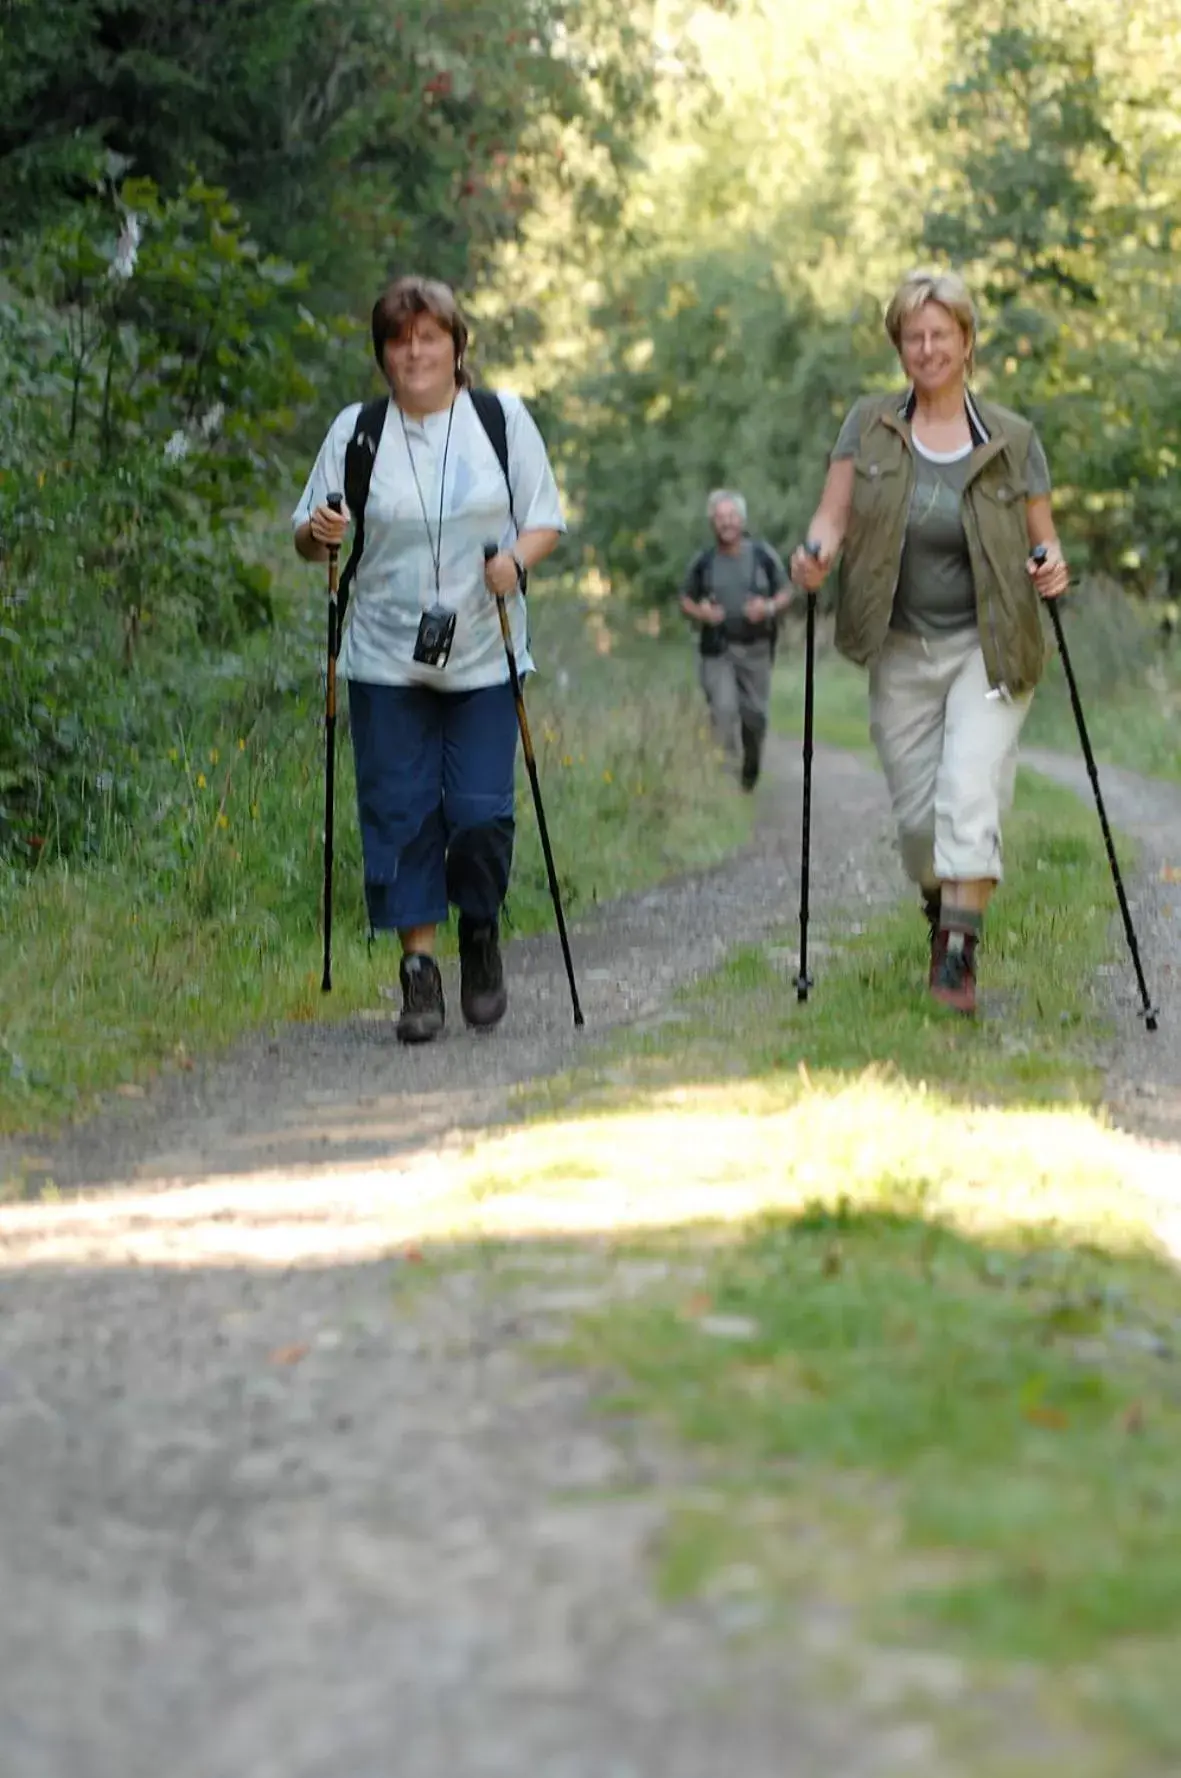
[
  {"x": 269, "y": 1506},
  {"x": 263, "y": 1518},
  {"x": 350, "y": 1092}
]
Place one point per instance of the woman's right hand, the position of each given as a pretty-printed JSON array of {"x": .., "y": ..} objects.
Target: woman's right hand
[
  {"x": 329, "y": 527},
  {"x": 810, "y": 564}
]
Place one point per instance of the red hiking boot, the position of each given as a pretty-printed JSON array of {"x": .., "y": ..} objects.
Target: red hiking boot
[{"x": 953, "y": 970}]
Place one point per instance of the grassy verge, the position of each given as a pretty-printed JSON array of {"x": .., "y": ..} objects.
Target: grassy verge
[
  {"x": 204, "y": 922},
  {"x": 1048, "y": 932}
]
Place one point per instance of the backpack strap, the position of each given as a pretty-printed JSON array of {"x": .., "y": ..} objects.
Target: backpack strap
[
  {"x": 698, "y": 572},
  {"x": 490, "y": 412},
  {"x": 361, "y": 454},
  {"x": 764, "y": 564},
  {"x": 359, "y": 457}
]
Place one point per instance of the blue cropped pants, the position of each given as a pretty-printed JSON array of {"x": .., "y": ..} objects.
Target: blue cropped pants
[{"x": 435, "y": 800}]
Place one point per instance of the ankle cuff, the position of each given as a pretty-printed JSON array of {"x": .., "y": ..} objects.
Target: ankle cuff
[{"x": 965, "y": 920}]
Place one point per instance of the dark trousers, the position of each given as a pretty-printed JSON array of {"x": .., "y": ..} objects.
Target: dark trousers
[{"x": 434, "y": 799}]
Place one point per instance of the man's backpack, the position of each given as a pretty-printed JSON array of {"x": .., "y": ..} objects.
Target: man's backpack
[
  {"x": 764, "y": 567},
  {"x": 361, "y": 454}
]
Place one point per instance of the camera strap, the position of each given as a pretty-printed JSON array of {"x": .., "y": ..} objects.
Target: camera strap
[{"x": 435, "y": 543}]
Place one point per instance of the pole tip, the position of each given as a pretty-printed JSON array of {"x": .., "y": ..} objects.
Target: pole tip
[
  {"x": 803, "y": 983},
  {"x": 579, "y": 1021},
  {"x": 1150, "y": 1020}
]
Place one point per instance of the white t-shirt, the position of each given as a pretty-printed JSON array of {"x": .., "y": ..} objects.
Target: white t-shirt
[{"x": 395, "y": 582}]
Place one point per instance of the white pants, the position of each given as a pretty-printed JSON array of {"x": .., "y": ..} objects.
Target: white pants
[{"x": 948, "y": 748}]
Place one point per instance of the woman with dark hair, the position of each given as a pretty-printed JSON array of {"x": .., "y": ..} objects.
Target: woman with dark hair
[
  {"x": 935, "y": 501},
  {"x": 435, "y": 744}
]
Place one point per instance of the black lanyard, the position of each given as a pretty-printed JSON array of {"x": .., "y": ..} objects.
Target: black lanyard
[{"x": 435, "y": 543}]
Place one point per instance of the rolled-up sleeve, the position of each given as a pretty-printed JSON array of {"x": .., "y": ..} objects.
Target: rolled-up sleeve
[
  {"x": 536, "y": 501},
  {"x": 327, "y": 475}
]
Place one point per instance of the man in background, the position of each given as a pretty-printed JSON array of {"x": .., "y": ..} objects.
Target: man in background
[{"x": 735, "y": 592}]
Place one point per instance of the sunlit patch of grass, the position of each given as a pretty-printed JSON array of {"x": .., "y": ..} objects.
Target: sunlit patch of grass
[{"x": 1047, "y": 933}]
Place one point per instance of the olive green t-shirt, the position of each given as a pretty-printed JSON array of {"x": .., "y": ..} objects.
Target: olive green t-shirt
[{"x": 935, "y": 595}]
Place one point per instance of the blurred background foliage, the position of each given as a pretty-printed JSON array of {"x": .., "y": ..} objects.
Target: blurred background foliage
[{"x": 674, "y": 224}]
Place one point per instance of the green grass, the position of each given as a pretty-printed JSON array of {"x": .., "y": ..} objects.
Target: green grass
[
  {"x": 841, "y": 715},
  {"x": 204, "y": 922},
  {"x": 1047, "y": 932}
]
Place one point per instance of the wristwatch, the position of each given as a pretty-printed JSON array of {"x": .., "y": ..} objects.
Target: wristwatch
[{"x": 522, "y": 573}]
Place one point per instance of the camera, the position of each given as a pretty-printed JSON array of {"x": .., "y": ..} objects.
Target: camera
[{"x": 436, "y": 632}]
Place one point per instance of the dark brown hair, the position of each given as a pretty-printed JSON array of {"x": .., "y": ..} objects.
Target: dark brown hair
[{"x": 411, "y": 296}]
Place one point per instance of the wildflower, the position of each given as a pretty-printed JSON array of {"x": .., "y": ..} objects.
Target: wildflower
[
  {"x": 126, "y": 248},
  {"x": 173, "y": 755},
  {"x": 214, "y": 756},
  {"x": 223, "y": 820},
  {"x": 211, "y": 421},
  {"x": 177, "y": 447},
  {"x": 241, "y": 745},
  {"x": 200, "y": 780},
  {"x": 254, "y": 811},
  {"x": 607, "y": 778},
  {"x": 566, "y": 760}
]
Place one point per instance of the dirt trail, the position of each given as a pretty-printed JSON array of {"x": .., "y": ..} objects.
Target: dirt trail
[{"x": 267, "y": 1510}]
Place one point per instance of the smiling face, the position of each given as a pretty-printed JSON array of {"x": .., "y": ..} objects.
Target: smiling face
[
  {"x": 420, "y": 364},
  {"x": 934, "y": 349},
  {"x": 727, "y": 523}
]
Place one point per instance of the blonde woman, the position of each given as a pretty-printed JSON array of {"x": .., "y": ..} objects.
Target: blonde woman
[{"x": 934, "y": 500}]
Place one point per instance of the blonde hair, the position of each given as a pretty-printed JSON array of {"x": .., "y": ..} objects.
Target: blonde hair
[{"x": 945, "y": 288}]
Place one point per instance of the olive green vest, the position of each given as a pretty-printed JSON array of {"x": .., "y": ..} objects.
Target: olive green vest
[{"x": 1008, "y": 609}]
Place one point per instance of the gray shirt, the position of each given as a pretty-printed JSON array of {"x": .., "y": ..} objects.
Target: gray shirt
[
  {"x": 732, "y": 580},
  {"x": 935, "y": 595}
]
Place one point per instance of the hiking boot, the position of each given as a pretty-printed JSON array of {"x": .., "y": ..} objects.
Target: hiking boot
[
  {"x": 953, "y": 971},
  {"x": 482, "y": 993},
  {"x": 422, "y": 1015},
  {"x": 751, "y": 756}
]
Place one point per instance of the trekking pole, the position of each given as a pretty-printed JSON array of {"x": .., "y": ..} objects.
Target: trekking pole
[
  {"x": 804, "y": 980},
  {"x": 335, "y": 501},
  {"x": 490, "y": 550},
  {"x": 1147, "y": 1008}
]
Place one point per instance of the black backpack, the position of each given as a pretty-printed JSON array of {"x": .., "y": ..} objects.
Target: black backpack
[{"x": 361, "y": 454}]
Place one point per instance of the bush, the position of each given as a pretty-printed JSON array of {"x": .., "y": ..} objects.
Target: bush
[{"x": 158, "y": 370}]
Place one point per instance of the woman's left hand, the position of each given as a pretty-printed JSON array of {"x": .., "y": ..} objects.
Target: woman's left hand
[
  {"x": 1051, "y": 577},
  {"x": 500, "y": 574}
]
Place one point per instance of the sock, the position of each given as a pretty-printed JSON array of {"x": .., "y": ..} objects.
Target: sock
[{"x": 960, "y": 925}]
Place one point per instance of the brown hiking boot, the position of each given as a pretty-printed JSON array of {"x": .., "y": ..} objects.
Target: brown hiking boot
[
  {"x": 953, "y": 971},
  {"x": 482, "y": 993},
  {"x": 423, "y": 1012}
]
